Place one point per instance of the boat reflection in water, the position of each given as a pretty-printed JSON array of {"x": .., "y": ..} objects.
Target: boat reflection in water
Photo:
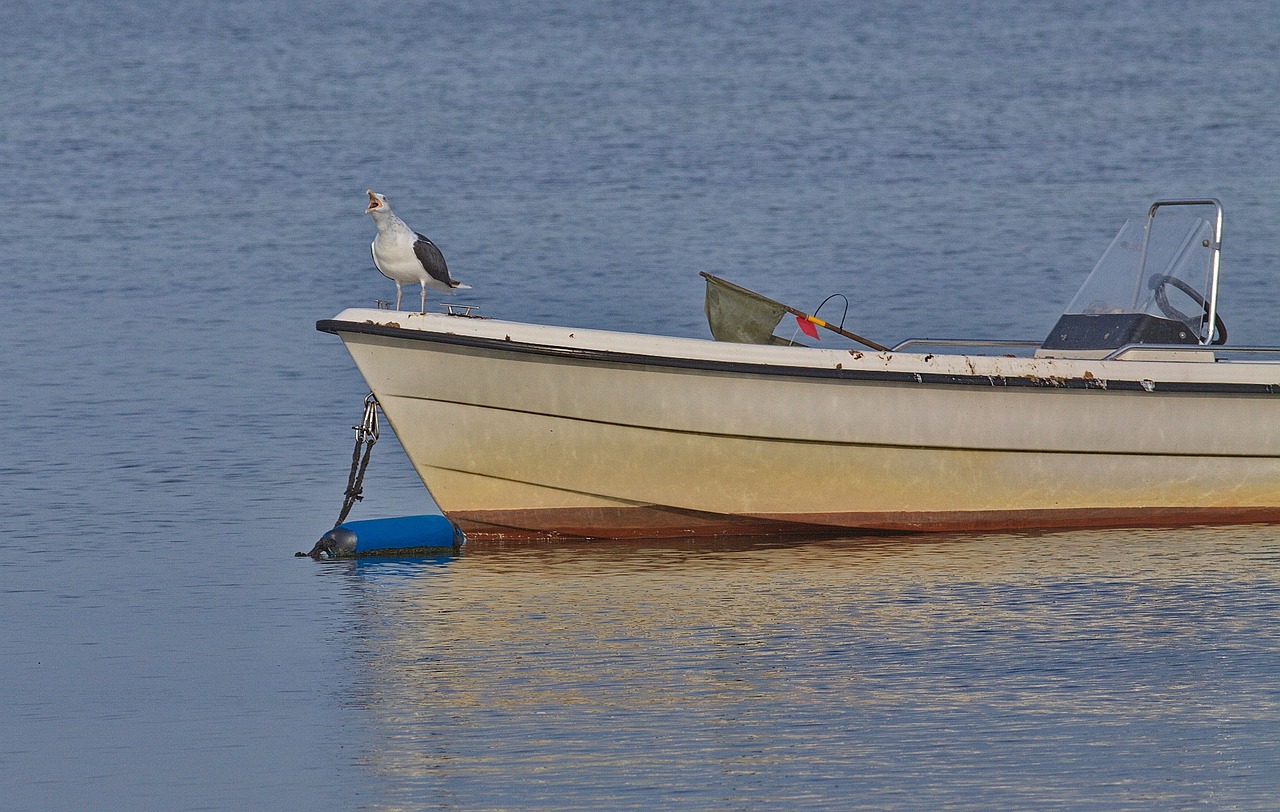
[{"x": 994, "y": 671}]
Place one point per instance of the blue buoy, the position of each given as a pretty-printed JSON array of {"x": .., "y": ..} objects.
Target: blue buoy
[{"x": 381, "y": 536}]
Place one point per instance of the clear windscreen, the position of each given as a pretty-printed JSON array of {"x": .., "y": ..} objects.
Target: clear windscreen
[{"x": 1142, "y": 273}]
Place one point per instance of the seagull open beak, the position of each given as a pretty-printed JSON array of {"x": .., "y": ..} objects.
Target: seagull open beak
[{"x": 374, "y": 202}]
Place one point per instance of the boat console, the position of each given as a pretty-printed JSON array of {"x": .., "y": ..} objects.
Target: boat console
[{"x": 1156, "y": 284}]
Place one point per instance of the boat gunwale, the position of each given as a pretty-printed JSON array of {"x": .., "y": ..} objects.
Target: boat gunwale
[{"x": 339, "y": 326}]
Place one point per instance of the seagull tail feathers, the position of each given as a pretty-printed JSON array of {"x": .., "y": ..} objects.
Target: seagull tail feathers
[{"x": 461, "y": 286}]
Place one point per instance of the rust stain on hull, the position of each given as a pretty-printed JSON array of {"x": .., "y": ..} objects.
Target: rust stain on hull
[
  {"x": 658, "y": 522},
  {"x": 617, "y": 523}
]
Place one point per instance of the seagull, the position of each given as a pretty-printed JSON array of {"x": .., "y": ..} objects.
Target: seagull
[{"x": 404, "y": 256}]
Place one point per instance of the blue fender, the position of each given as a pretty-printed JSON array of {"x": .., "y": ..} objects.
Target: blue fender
[{"x": 373, "y": 536}]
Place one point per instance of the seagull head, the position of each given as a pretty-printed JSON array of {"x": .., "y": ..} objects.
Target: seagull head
[{"x": 377, "y": 203}]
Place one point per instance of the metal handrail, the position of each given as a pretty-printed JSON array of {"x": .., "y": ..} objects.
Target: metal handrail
[
  {"x": 1216, "y": 250},
  {"x": 1217, "y": 349},
  {"x": 963, "y": 342},
  {"x": 1115, "y": 355}
]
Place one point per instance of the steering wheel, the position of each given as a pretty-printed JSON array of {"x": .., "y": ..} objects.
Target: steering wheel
[{"x": 1159, "y": 283}]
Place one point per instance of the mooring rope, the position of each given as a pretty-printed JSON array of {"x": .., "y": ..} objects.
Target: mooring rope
[{"x": 366, "y": 436}]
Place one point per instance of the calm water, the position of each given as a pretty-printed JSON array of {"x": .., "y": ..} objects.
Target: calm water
[{"x": 185, "y": 194}]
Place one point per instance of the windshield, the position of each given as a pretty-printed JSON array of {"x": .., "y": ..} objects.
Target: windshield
[{"x": 1171, "y": 279}]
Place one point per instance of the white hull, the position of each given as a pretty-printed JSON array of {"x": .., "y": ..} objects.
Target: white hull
[{"x": 523, "y": 430}]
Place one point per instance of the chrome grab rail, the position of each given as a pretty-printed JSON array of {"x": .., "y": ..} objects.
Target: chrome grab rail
[
  {"x": 962, "y": 342},
  {"x": 1216, "y": 250},
  {"x": 1198, "y": 349},
  {"x": 1116, "y": 355}
]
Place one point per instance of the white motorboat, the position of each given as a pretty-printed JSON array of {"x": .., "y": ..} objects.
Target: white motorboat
[{"x": 1131, "y": 412}]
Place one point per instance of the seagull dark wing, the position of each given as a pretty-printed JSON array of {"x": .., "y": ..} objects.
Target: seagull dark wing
[{"x": 432, "y": 260}]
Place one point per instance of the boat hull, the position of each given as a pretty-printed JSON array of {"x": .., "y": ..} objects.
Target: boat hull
[{"x": 524, "y": 431}]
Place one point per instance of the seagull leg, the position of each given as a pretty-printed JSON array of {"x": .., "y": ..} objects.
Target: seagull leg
[
  {"x": 423, "y": 306},
  {"x": 397, "y": 296}
]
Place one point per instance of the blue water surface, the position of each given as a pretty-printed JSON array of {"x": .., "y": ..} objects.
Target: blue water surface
[{"x": 186, "y": 182}]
